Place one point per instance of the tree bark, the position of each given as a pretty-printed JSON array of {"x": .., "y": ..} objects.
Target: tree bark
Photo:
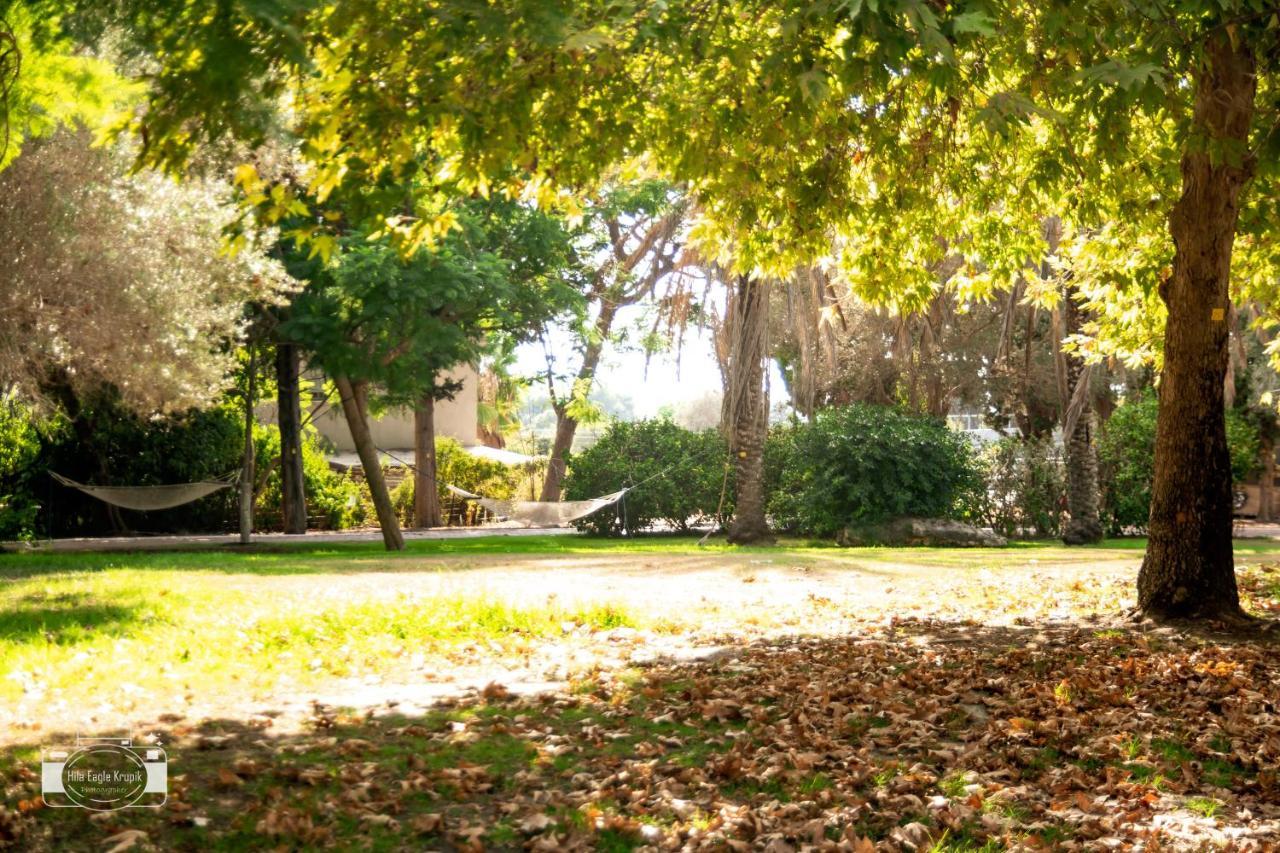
[
  {"x": 567, "y": 425},
  {"x": 355, "y": 407},
  {"x": 426, "y": 497},
  {"x": 1188, "y": 570},
  {"x": 747, "y": 409},
  {"x": 293, "y": 490},
  {"x": 1266, "y": 487},
  {"x": 1083, "y": 527},
  {"x": 246, "y": 472}
]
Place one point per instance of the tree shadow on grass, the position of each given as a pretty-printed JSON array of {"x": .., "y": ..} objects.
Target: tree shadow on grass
[
  {"x": 63, "y": 617},
  {"x": 915, "y": 736}
]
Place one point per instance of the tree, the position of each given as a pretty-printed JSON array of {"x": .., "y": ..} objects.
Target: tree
[
  {"x": 633, "y": 241},
  {"x": 1078, "y": 436},
  {"x": 293, "y": 497},
  {"x": 387, "y": 328},
  {"x": 118, "y": 280},
  {"x": 45, "y": 83},
  {"x": 879, "y": 122}
]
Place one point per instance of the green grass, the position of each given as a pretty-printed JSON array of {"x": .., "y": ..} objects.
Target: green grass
[
  {"x": 303, "y": 558},
  {"x": 177, "y": 630},
  {"x": 179, "y": 622},
  {"x": 1204, "y": 806}
]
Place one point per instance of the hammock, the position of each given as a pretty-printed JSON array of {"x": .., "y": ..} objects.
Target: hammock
[
  {"x": 541, "y": 513},
  {"x": 148, "y": 498}
]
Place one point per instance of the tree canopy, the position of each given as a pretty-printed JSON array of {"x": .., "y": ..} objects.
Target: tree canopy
[{"x": 372, "y": 315}]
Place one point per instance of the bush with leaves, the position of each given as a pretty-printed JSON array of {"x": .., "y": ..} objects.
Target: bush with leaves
[
  {"x": 680, "y": 476},
  {"x": 1126, "y": 456},
  {"x": 333, "y": 499},
  {"x": 19, "y": 448},
  {"x": 108, "y": 444},
  {"x": 1026, "y": 488},
  {"x": 456, "y": 467},
  {"x": 863, "y": 464}
]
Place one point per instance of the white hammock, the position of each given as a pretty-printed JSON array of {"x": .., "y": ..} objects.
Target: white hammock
[
  {"x": 150, "y": 498},
  {"x": 541, "y": 513}
]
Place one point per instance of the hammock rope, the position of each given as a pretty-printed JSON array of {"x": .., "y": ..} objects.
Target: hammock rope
[
  {"x": 151, "y": 498},
  {"x": 559, "y": 513}
]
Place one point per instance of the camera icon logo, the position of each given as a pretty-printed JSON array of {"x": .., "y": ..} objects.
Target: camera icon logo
[{"x": 104, "y": 774}]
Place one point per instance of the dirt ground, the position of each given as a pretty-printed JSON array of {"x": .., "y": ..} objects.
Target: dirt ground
[{"x": 686, "y": 606}]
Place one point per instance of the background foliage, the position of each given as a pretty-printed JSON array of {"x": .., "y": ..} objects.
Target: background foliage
[
  {"x": 456, "y": 467},
  {"x": 19, "y": 447},
  {"x": 333, "y": 500},
  {"x": 1126, "y": 455},
  {"x": 1026, "y": 489},
  {"x": 865, "y": 463}
]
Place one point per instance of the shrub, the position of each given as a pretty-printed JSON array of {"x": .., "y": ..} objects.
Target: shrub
[
  {"x": 19, "y": 448},
  {"x": 456, "y": 467},
  {"x": 1126, "y": 453},
  {"x": 334, "y": 497},
  {"x": 196, "y": 445},
  {"x": 1026, "y": 488},
  {"x": 679, "y": 474},
  {"x": 110, "y": 442},
  {"x": 866, "y": 464}
]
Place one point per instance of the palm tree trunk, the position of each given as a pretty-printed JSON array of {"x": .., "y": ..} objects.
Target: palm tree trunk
[
  {"x": 746, "y": 412},
  {"x": 1083, "y": 527}
]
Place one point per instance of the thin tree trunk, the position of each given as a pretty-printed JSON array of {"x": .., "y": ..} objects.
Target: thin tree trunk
[
  {"x": 1084, "y": 526},
  {"x": 566, "y": 430},
  {"x": 566, "y": 424},
  {"x": 355, "y": 408},
  {"x": 426, "y": 497},
  {"x": 246, "y": 473},
  {"x": 1188, "y": 569},
  {"x": 293, "y": 490},
  {"x": 747, "y": 409}
]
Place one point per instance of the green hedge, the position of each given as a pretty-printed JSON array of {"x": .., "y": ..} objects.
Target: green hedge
[
  {"x": 191, "y": 446},
  {"x": 679, "y": 475},
  {"x": 19, "y": 449},
  {"x": 1126, "y": 453},
  {"x": 865, "y": 464},
  {"x": 135, "y": 451}
]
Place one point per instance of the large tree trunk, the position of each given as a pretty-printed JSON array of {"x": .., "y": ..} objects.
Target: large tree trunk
[
  {"x": 746, "y": 411},
  {"x": 1084, "y": 526},
  {"x": 426, "y": 497},
  {"x": 567, "y": 425},
  {"x": 246, "y": 472},
  {"x": 1188, "y": 569},
  {"x": 293, "y": 490},
  {"x": 355, "y": 407}
]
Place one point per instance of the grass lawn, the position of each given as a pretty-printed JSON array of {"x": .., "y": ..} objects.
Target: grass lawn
[{"x": 207, "y": 646}]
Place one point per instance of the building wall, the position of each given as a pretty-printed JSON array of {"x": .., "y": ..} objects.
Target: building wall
[{"x": 455, "y": 418}]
